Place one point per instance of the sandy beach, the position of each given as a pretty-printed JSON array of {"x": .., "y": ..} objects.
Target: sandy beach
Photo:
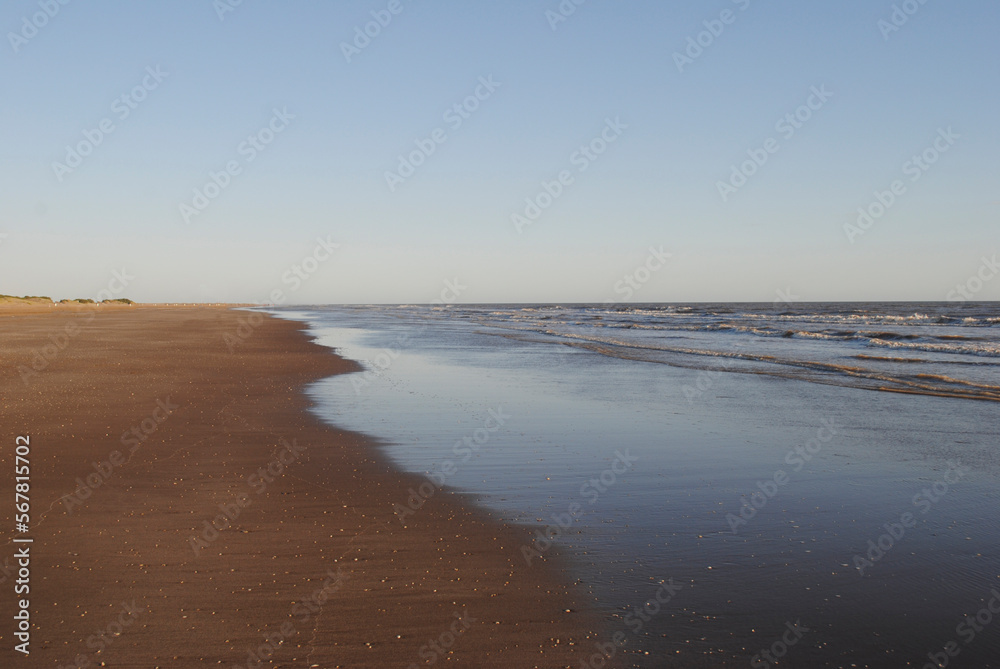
[{"x": 187, "y": 511}]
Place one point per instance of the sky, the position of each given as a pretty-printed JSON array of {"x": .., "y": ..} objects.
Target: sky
[{"x": 395, "y": 151}]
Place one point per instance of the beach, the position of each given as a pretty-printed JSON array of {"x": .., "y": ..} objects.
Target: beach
[
  {"x": 187, "y": 510},
  {"x": 650, "y": 486}
]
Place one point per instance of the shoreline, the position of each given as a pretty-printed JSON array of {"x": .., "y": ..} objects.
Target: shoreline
[{"x": 183, "y": 493}]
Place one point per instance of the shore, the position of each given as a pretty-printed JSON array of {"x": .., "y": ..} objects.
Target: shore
[{"x": 188, "y": 511}]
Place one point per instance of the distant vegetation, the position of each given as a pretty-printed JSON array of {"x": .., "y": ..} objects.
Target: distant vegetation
[
  {"x": 43, "y": 299},
  {"x": 26, "y": 298}
]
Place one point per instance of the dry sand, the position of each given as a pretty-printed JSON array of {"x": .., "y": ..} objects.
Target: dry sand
[{"x": 122, "y": 563}]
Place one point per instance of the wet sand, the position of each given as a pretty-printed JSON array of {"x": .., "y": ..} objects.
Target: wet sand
[{"x": 177, "y": 418}]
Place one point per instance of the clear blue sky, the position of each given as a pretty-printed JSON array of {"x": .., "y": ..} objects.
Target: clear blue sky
[{"x": 656, "y": 184}]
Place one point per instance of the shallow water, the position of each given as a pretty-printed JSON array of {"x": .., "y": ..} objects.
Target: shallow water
[{"x": 692, "y": 415}]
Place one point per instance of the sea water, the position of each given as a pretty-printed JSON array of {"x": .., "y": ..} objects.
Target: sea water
[{"x": 732, "y": 484}]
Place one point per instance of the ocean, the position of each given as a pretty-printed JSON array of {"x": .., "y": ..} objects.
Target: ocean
[{"x": 757, "y": 485}]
